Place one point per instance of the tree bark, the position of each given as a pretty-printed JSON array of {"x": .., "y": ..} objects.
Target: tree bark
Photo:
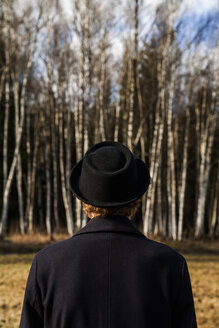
[
  {"x": 134, "y": 67},
  {"x": 33, "y": 171},
  {"x": 22, "y": 223},
  {"x": 183, "y": 176},
  {"x": 206, "y": 144},
  {"x": 18, "y": 141},
  {"x": 63, "y": 177}
]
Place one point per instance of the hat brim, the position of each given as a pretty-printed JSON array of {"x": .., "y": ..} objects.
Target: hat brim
[{"x": 138, "y": 190}]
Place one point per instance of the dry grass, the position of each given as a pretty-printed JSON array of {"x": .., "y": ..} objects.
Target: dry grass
[{"x": 16, "y": 254}]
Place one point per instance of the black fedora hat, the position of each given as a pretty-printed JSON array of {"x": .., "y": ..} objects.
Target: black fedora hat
[{"x": 109, "y": 175}]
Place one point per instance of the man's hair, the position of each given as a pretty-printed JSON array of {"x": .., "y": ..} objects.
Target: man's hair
[{"x": 124, "y": 210}]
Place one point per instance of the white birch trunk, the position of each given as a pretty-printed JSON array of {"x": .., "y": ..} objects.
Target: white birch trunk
[
  {"x": 134, "y": 67},
  {"x": 69, "y": 218},
  {"x": 171, "y": 162},
  {"x": 183, "y": 177},
  {"x": 81, "y": 107},
  {"x": 18, "y": 142},
  {"x": 153, "y": 155},
  {"x": 2, "y": 81},
  {"x": 206, "y": 143},
  {"x": 33, "y": 171},
  {"x": 214, "y": 218},
  {"x": 79, "y": 132},
  {"x": 77, "y": 145},
  {"x": 19, "y": 163},
  {"x": 101, "y": 91},
  {"x": 126, "y": 106},
  {"x": 206, "y": 150},
  {"x": 158, "y": 134},
  {"x": 155, "y": 175},
  {"x": 161, "y": 228},
  {"x": 30, "y": 225},
  {"x": 7, "y": 97},
  {"x": 54, "y": 129},
  {"x": 118, "y": 106},
  {"x": 68, "y": 144},
  {"x": 87, "y": 74},
  {"x": 5, "y": 135},
  {"x": 48, "y": 191},
  {"x": 54, "y": 126},
  {"x": 39, "y": 202},
  {"x": 131, "y": 111},
  {"x": 46, "y": 152}
]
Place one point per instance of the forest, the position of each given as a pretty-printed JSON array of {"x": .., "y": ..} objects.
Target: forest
[{"x": 143, "y": 75}]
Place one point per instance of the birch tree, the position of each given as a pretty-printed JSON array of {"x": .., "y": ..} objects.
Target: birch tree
[
  {"x": 134, "y": 66},
  {"x": 20, "y": 131},
  {"x": 207, "y": 133},
  {"x": 64, "y": 87},
  {"x": 182, "y": 187},
  {"x": 171, "y": 178},
  {"x": 155, "y": 153}
]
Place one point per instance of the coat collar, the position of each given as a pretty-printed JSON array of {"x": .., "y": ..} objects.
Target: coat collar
[{"x": 110, "y": 223}]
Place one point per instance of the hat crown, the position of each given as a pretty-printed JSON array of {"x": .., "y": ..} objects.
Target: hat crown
[{"x": 106, "y": 159}]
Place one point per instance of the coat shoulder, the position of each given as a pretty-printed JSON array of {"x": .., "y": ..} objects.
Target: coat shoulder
[
  {"x": 55, "y": 249},
  {"x": 164, "y": 251}
]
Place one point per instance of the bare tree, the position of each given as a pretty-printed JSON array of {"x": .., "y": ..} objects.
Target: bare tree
[
  {"x": 20, "y": 131},
  {"x": 207, "y": 133}
]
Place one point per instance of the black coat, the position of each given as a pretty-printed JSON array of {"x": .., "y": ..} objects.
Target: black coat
[{"x": 108, "y": 275}]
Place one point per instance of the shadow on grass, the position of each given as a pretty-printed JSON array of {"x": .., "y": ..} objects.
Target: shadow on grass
[
  {"x": 17, "y": 244},
  {"x": 11, "y": 247},
  {"x": 191, "y": 247}
]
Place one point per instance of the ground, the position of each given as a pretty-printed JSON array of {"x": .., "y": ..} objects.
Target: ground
[{"x": 16, "y": 254}]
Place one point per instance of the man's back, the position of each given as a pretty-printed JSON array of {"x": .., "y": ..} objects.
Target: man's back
[{"x": 108, "y": 275}]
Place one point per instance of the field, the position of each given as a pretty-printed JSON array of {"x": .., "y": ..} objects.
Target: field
[{"x": 16, "y": 255}]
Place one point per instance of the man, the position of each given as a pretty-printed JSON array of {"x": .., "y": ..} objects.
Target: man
[{"x": 109, "y": 275}]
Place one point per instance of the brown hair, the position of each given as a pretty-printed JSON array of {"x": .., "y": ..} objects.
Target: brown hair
[{"x": 127, "y": 210}]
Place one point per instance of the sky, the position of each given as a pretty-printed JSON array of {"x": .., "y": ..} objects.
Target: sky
[
  {"x": 190, "y": 8},
  {"x": 192, "y": 11},
  {"x": 196, "y": 7}
]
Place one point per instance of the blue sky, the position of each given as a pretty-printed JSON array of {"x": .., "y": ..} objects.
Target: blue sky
[{"x": 192, "y": 13}]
